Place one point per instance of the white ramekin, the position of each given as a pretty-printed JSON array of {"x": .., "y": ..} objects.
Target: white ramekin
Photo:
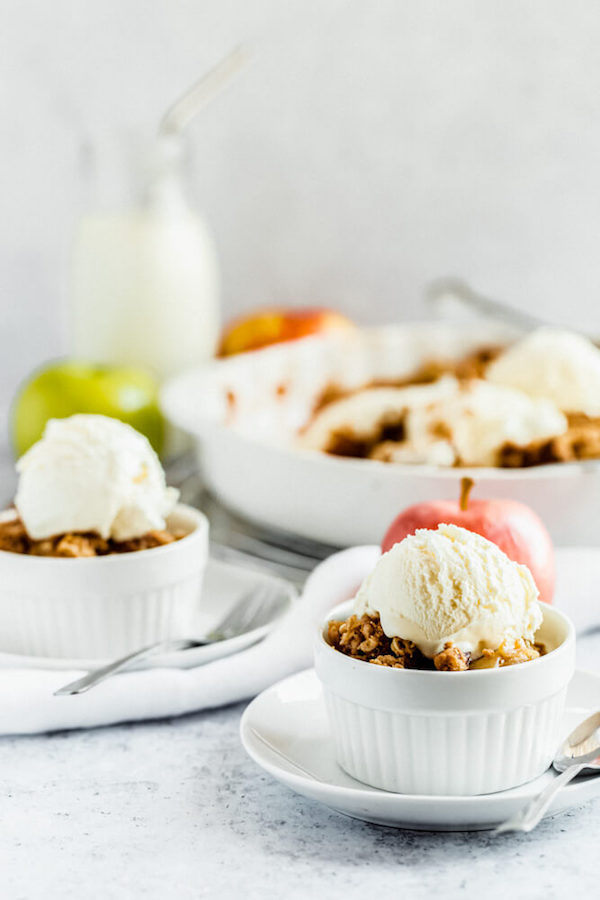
[
  {"x": 103, "y": 606},
  {"x": 448, "y": 733}
]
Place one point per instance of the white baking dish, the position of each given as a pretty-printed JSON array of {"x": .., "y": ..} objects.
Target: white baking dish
[
  {"x": 448, "y": 733},
  {"x": 104, "y": 606},
  {"x": 244, "y": 413}
]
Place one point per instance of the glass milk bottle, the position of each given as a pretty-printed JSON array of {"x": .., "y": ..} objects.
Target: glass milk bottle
[{"x": 144, "y": 275}]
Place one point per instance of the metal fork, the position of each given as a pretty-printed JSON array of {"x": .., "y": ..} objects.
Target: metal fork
[{"x": 244, "y": 614}]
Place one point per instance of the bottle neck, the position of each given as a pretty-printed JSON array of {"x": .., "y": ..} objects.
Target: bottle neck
[
  {"x": 126, "y": 174},
  {"x": 165, "y": 184}
]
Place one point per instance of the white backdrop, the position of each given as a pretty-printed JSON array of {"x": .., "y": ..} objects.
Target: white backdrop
[{"x": 371, "y": 146}]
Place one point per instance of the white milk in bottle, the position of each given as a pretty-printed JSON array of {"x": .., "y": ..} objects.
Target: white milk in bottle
[{"x": 144, "y": 277}]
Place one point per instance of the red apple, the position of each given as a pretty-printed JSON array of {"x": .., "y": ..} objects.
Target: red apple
[
  {"x": 514, "y": 527},
  {"x": 272, "y": 326}
]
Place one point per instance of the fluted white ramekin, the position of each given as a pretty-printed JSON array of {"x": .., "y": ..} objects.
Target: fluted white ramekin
[
  {"x": 448, "y": 733},
  {"x": 103, "y": 606}
]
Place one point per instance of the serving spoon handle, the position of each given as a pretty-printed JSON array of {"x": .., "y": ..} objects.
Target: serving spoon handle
[
  {"x": 527, "y": 818},
  {"x": 450, "y": 288}
]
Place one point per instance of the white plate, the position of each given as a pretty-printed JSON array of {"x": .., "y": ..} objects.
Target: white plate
[
  {"x": 224, "y": 584},
  {"x": 244, "y": 413},
  {"x": 291, "y": 716}
]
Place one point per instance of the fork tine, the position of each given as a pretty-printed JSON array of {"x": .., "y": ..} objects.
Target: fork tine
[
  {"x": 242, "y": 613},
  {"x": 234, "y": 614}
]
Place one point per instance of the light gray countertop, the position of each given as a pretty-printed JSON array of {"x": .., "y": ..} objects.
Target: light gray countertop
[{"x": 176, "y": 809}]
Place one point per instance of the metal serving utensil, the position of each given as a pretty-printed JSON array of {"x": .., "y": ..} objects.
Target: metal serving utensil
[
  {"x": 579, "y": 754},
  {"x": 457, "y": 291}
]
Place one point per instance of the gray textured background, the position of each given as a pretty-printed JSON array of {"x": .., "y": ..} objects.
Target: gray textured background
[{"x": 369, "y": 147}]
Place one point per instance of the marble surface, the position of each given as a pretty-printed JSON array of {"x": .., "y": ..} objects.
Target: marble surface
[{"x": 176, "y": 809}]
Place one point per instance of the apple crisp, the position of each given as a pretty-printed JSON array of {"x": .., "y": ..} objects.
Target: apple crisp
[
  {"x": 363, "y": 638},
  {"x": 14, "y": 539},
  {"x": 471, "y": 366},
  {"x": 386, "y": 428}
]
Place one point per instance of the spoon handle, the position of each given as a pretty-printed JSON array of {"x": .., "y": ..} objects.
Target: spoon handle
[
  {"x": 530, "y": 815},
  {"x": 97, "y": 675}
]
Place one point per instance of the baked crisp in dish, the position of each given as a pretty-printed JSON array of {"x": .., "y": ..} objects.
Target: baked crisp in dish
[
  {"x": 362, "y": 637},
  {"x": 471, "y": 366},
  {"x": 535, "y": 403},
  {"x": 14, "y": 539}
]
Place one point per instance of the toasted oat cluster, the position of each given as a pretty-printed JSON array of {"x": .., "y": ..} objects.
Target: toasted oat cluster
[
  {"x": 14, "y": 539},
  {"x": 363, "y": 638},
  {"x": 471, "y": 366},
  {"x": 580, "y": 441}
]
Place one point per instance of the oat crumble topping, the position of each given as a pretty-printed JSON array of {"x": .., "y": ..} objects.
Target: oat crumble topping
[
  {"x": 14, "y": 539},
  {"x": 363, "y": 638}
]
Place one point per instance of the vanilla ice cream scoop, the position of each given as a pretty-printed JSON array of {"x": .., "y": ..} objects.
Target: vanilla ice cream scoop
[
  {"x": 554, "y": 364},
  {"x": 481, "y": 418},
  {"x": 451, "y": 585},
  {"x": 92, "y": 473}
]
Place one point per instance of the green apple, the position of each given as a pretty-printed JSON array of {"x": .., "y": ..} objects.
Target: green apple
[{"x": 66, "y": 387}]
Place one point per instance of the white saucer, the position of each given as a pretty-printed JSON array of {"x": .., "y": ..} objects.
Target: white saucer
[
  {"x": 291, "y": 717},
  {"x": 224, "y": 584}
]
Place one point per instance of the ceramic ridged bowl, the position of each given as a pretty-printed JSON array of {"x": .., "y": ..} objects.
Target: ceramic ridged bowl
[
  {"x": 448, "y": 733},
  {"x": 107, "y": 605}
]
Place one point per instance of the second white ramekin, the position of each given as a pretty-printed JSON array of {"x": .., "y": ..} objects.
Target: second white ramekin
[
  {"x": 104, "y": 606},
  {"x": 448, "y": 733}
]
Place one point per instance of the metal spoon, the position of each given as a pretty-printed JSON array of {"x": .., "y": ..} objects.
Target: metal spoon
[{"x": 579, "y": 753}]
